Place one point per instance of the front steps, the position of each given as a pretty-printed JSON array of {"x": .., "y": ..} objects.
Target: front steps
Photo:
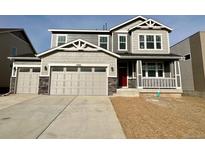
[{"x": 129, "y": 92}]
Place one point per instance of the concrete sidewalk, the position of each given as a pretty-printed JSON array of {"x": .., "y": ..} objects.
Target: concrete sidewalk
[{"x": 86, "y": 117}]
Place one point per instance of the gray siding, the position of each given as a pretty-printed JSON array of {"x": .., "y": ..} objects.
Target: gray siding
[
  {"x": 80, "y": 58},
  {"x": 135, "y": 41},
  {"x": 92, "y": 38},
  {"x": 8, "y": 41},
  {"x": 183, "y": 48}
]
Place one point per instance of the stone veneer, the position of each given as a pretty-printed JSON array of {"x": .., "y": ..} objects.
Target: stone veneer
[
  {"x": 12, "y": 85},
  {"x": 132, "y": 83},
  {"x": 43, "y": 85},
  {"x": 112, "y": 85}
]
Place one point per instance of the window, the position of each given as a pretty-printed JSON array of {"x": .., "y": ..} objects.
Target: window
[
  {"x": 142, "y": 42},
  {"x": 86, "y": 69},
  {"x": 36, "y": 69},
  {"x": 58, "y": 69},
  {"x": 187, "y": 57},
  {"x": 14, "y": 52},
  {"x": 122, "y": 42},
  {"x": 152, "y": 69},
  {"x": 150, "y": 42},
  {"x": 103, "y": 41},
  {"x": 24, "y": 69},
  {"x": 100, "y": 69},
  {"x": 158, "y": 42},
  {"x": 62, "y": 39},
  {"x": 71, "y": 69}
]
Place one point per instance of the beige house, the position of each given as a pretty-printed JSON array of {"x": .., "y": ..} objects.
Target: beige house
[
  {"x": 132, "y": 57},
  {"x": 13, "y": 42}
]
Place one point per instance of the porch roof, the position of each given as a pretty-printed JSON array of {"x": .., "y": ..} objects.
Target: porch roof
[{"x": 148, "y": 56}]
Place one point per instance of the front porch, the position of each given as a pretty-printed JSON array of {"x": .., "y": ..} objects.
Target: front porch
[{"x": 148, "y": 75}]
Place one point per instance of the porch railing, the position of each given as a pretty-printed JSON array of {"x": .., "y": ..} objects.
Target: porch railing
[{"x": 159, "y": 83}]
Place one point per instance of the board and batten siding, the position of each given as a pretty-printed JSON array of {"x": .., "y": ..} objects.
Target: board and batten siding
[
  {"x": 91, "y": 38},
  {"x": 80, "y": 58},
  {"x": 135, "y": 41}
]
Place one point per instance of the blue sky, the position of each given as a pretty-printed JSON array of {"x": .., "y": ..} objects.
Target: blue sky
[{"x": 37, "y": 26}]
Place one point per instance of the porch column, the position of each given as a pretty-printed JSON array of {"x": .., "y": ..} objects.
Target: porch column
[
  {"x": 177, "y": 74},
  {"x": 139, "y": 74}
]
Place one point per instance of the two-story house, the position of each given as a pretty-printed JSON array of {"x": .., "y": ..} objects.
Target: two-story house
[
  {"x": 132, "y": 57},
  {"x": 13, "y": 42}
]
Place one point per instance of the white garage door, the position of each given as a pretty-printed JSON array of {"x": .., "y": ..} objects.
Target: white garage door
[
  {"x": 87, "y": 81},
  {"x": 28, "y": 80}
]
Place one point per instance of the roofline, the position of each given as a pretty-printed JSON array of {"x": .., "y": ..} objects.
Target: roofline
[
  {"x": 168, "y": 28},
  {"x": 187, "y": 38},
  {"x": 117, "y": 26},
  {"x": 22, "y": 30},
  {"x": 78, "y": 30},
  {"x": 58, "y": 47}
]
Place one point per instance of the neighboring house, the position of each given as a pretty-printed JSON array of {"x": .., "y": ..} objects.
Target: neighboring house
[
  {"x": 13, "y": 42},
  {"x": 193, "y": 65},
  {"x": 132, "y": 57}
]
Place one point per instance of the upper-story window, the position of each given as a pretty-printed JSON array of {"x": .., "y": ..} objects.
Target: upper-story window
[
  {"x": 150, "y": 42},
  {"x": 13, "y": 52},
  {"x": 103, "y": 41},
  {"x": 61, "y": 39},
  {"x": 122, "y": 42}
]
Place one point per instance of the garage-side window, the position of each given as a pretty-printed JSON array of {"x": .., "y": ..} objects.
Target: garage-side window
[
  {"x": 71, "y": 69},
  {"x": 59, "y": 69},
  {"x": 100, "y": 69},
  {"x": 36, "y": 69},
  {"x": 86, "y": 69},
  {"x": 24, "y": 69}
]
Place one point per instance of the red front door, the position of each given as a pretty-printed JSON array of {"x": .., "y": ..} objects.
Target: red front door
[{"x": 123, "y": 77}]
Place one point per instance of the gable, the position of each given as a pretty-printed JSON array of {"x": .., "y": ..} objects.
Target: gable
[
  {"x": 150, "y": 24},
  {"x": 128, "y": 24},
  {"x": 77, "y": 45}
]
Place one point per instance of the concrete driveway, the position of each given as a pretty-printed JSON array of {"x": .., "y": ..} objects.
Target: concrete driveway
[{"x": 40, "y": 116}]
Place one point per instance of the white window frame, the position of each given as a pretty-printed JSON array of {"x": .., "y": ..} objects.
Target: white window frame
[
  {"x": 99, "y": 36},
  {"x": 156, "y": 71},
  {"x": 145, "y": 41},
  {"x": 66, "y": 38},
  {"x": 119, "y": 42}
]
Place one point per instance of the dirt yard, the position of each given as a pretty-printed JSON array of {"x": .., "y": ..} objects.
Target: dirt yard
[{"x": 151, "y": 117}]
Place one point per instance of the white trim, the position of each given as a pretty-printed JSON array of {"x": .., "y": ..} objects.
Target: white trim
[
  {"x": 57, "y": 35},
  {"x": 145, "y": 42},
  {"x": 77, "y": 30},
  {"x": 95, "y": 46},
  {"x": 151, "y": 20},
  {"x": 108, "y": 36},
  {"x": 112, "y": 43},
  {"x": 118, "y": 42},
  {"x": 135, "y": 18}
]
